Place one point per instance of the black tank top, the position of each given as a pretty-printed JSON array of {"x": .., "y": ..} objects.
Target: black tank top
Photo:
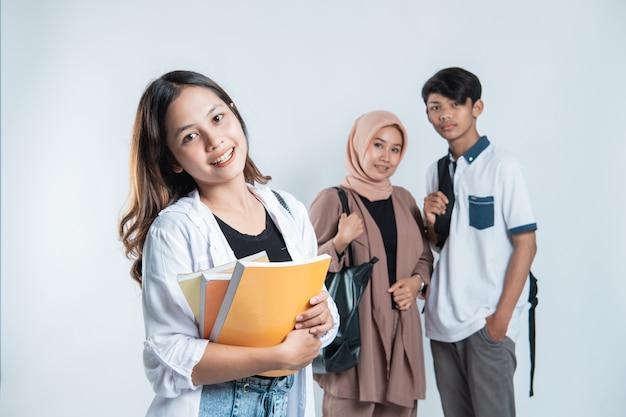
[
  {"x": 269, "y": 240},
  {"x": 384, "y": 216}
]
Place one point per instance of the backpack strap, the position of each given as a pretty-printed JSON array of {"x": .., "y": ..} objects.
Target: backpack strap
[
  {"x": 344, "y": 205},
  {"x": 344, "y": 200},
  {"x": 533, "y": 300},
  {"x": 282, "y": 201},
  {"x": 446, "y": 186}
]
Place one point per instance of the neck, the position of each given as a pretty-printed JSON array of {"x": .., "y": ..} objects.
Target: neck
[
  {"x": 231, "y": 196},
  {"x": 459, "y": 147},
  {"x": 237, "y": 206}
]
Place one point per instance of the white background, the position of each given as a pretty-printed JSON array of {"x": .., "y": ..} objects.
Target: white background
[{"x": 72, "y": 73}]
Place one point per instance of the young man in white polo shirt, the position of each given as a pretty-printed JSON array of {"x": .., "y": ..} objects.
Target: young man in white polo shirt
[{"x": 484, "y": 231}]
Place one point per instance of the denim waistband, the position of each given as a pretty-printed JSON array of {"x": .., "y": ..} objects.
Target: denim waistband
[
  {"x": 246, "y": 397},
  {"x": 265, "y": 382}
]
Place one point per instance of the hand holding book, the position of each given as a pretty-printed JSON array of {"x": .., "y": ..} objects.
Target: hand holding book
[
  {"x": 268, "y": 304},
  {"x": 299, "y": 348},
  {"x": 317, "y": 319}
]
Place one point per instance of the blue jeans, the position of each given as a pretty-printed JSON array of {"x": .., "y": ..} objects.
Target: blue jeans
[{"x": 253, "y": 396}]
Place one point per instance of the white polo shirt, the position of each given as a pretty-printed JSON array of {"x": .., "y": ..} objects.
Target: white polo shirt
[{"x": 492, "y": 203}]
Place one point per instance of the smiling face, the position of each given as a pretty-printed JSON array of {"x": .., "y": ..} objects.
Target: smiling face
[
  {"x": 205, "y": 137},
  {"x": 455, "y": 122},
  {"x": 383, "y": 154}
]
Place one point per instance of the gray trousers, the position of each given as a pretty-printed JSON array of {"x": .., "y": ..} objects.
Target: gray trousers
[{"x": 475, "y": 376}]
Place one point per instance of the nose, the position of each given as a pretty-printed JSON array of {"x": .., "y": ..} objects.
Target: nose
[
  {"x": 445, "y": 114},
  {"x": 212, "y": 141}
]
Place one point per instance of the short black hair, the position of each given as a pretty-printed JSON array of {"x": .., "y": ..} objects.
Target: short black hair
[{"x": 454, "y": 83}]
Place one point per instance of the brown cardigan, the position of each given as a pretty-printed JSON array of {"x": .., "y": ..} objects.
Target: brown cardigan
[{"x": 391, "y": 366}]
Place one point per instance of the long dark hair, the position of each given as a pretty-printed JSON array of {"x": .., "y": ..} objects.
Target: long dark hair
[{"x": 153, "y": 183}]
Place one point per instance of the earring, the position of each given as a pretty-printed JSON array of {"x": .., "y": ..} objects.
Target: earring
[{"x": 177, "y": 169}]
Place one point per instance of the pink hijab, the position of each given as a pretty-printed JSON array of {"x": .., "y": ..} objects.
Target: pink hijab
[{"x": 364, "y": 129}]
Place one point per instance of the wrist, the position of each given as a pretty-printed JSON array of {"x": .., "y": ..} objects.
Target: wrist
[
  {"x": 339, "y": 247},
  {"x": 423, "y": 286}
]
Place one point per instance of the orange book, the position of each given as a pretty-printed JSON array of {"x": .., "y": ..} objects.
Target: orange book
[
  {"x": 263, "y": 299},
  {"x": 213, "y": 288}
]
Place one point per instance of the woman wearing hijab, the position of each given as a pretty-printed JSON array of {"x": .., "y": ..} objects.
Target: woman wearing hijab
[{"x": 385, "y": 222}]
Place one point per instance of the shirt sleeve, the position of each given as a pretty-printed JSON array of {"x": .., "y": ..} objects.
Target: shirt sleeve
[
  {"x": 325, "y": 212},
  {"x": 424, "y": 266},
  {"x": 516, "y": 206},
  {"x": 172, "y": 347}
]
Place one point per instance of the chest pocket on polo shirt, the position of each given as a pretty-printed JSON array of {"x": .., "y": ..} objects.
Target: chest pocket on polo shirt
[{"x": 480, "y": 212}]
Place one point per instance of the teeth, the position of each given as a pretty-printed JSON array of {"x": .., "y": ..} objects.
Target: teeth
[{"x": 223, "y": 158}]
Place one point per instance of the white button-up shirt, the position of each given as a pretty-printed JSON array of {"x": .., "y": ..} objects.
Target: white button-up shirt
[{"x": 185, "y": 237}]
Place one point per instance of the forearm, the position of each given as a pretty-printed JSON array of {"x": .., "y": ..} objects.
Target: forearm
[
  {"x": 431, "y": 235},
  {"x": 425, "y": 264},
  {"x": 516, "y": 275},
  {"x": 222, "y": 363}
]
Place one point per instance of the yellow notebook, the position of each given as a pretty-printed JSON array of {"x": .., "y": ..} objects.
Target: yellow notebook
[{"x": 263, "y": 300}]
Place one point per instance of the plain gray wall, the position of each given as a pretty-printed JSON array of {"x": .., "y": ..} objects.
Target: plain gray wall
[{"x": 301, "y": 72}]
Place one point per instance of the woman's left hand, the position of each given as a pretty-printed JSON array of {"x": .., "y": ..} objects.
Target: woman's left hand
[
  {"x": 318, "y": 318},
  {"x": 405, "y": 291}
]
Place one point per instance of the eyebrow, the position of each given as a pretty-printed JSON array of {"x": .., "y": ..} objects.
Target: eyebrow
[
  {"x": 183, "y": 128},
  {"x": 385, "y": 141}
]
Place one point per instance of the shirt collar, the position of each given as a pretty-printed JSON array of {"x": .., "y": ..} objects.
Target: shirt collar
[{"x": 474, "y": 151}]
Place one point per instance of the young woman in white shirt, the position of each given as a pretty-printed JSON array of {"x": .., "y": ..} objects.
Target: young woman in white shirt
[{"x": 197, "y": 200}]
